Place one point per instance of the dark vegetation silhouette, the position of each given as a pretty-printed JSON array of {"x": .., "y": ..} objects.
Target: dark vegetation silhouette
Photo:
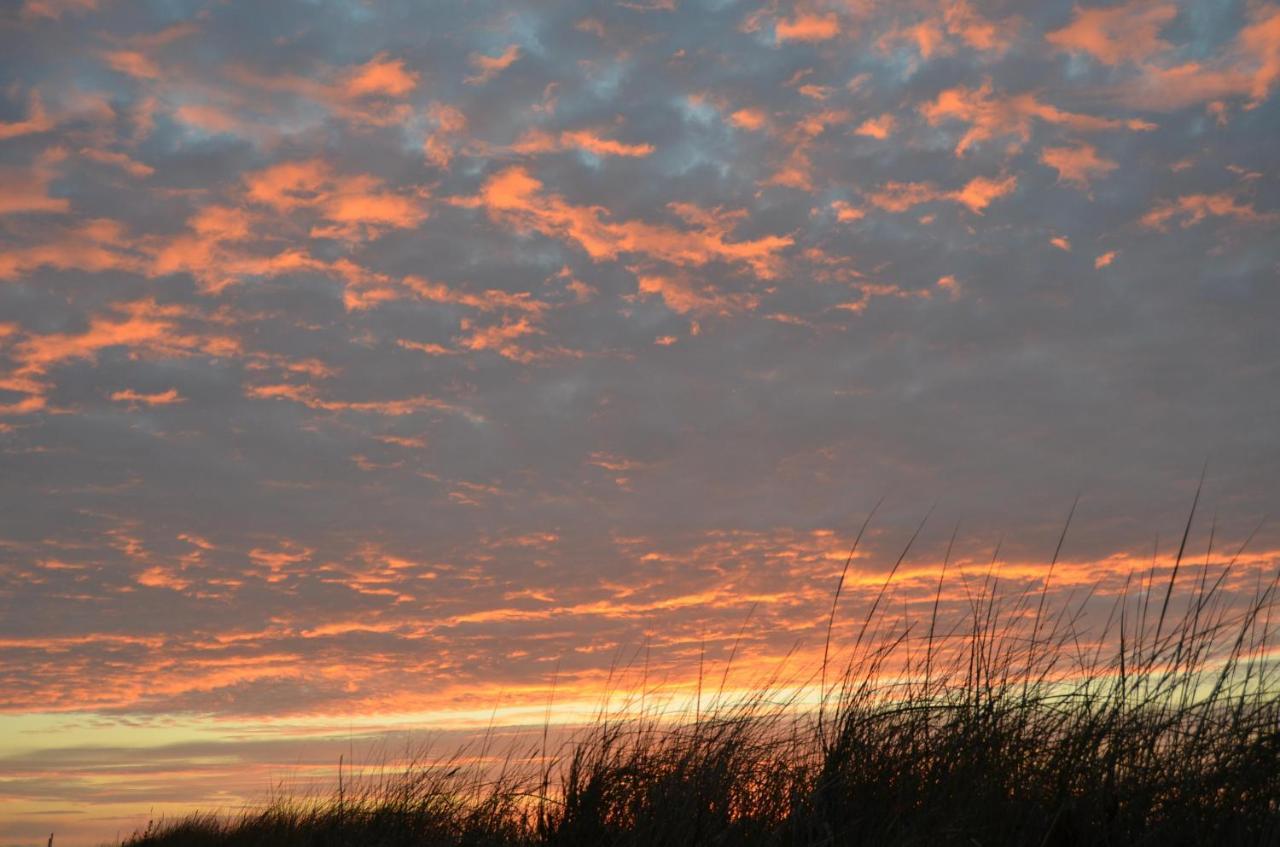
[{"x": 1013, "y": 724}]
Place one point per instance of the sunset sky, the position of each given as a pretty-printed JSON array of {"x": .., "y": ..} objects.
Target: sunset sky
[{"x": 362, "y": 364}]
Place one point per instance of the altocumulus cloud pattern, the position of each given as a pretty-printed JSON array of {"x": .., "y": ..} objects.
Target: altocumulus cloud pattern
[{"x": 375, "y": 358}]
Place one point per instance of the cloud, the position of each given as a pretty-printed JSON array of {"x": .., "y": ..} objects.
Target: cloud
[
  {"x": 142, "y": 326},
  {"x": 845, "y": 212},
  {"x": 878, "y": 127},
  {"x": 348, "y": 206},
  {"x": 1126, "y": 32},
  {"x": 683, "y": 295},
  {"x": 38, "y": 120},
  {"x": 136, "y": 398},
  {"x": 55, "y": 9},
  {"x": 516, "y": 198},
  {"x": 536, "y": 142},
  {"x": 1077, "y": 165},
  {"x": 1248, "y": 66},
  {"x": 977, "y": 194},
  {"x": 487, "y": 67},
  {"x": 799, "y": 140},
  {"x": 991, "y": 116},
  {"x": 371, "y": 93},
  {"x": 750, "y": 119},
  {"x": 578, "y": 357},
  {"x": 1190, "y": 209},
  {"x": 442, "y": 142},
  {"x": 91, "y": 245},
  {"x": 132, "y": 63},
  {"x": 953, "y": 24},
  {"x": 807, "y": 27},
  {"x": 26, "y": 190},
  {"x": 380, "y": 76},
  {"x": 118, "y": 160}
]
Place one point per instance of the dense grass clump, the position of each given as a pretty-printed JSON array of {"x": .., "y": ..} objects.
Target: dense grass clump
[{"x": 1014, "y": 724}]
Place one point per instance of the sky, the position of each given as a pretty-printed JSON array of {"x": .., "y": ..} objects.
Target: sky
[{"x": 364, "y": 368}]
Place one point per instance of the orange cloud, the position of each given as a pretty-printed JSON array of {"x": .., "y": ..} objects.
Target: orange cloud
[
  {"x": 878, "y": 127},
  {"x": 489, "y": 300},
  {"x": 502, "y": 338},
  {"x": 957, "y": 20},
  {"x": 684, "y": 295},
  {"x": 750, "y": 119},
  {"x": 144, "y": 326},
  {"x": 1248, "y": 67},
  {"x": 213, "y": 251},
  {"x": 1061, "y": 242},
  {"x": 441, "y": 144},
  {"x": 1259, "y": 49},
  {"x": 37, "y": 120},
  {"x": 1106, "y": 259},
  {"x": 134, "y": 398},
  {"x": 360, "y": 94},
  {"x": 901, "y": 196},
  {"x": 1190, "y": 209},
  {"x": 1077, "y": 165},
  {"x": 990, "y": 116},
  {"x": 846, "y": 213},
  {"x": 350, "y": 207},
  {"x": 277, "y": 562},
  {"x": 796, "y": 170},
  {"x": 536, "y": 141},
  {"x": 488, "y": 67},
  {"x": 807, "y": 27},
  {"x": 95, "y": 245},
  {"x": 976, "y": 194},
  {"x": 515, "y": 198},
  {"x": 1127, "y": 32},
  {"x": 976, "y": 31},
  {"x": 309, "y": 396},
  {"x": 55, "y": 9},
  {"x": 593, "y": 143},
  {"x": 27, "y": 189},
  {"x": 380, "y": 76},
  {"x": 926, "y": 36},
  {"x": 209, "y": 119},
  {"x": 979, "y": 192},
  {"x": 118, "y": 160},
  {"x": 157, "y": 576},
  {"x": 132, "y": 63}
]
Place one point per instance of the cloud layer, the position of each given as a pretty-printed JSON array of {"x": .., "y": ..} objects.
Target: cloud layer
[{"x": 374, "y": 360}]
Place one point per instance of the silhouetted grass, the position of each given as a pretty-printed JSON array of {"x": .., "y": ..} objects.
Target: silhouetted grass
[{"x": 1013, "y": 725}]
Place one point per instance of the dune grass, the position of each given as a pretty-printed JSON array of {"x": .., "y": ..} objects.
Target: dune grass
[{"x": 1012, "y": 724}]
